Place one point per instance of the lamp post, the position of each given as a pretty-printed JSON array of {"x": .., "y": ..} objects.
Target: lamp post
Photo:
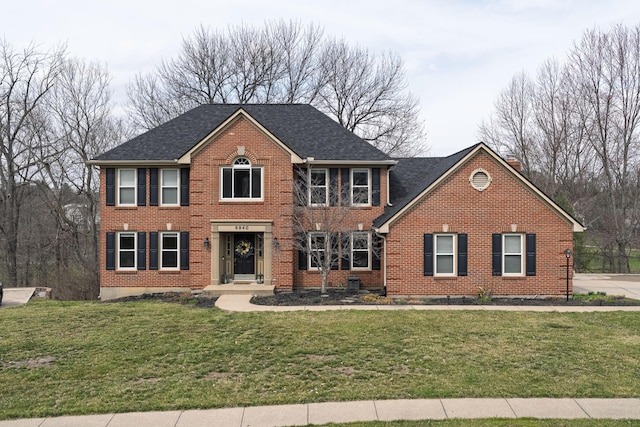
[{"x": 567, "y": 253}]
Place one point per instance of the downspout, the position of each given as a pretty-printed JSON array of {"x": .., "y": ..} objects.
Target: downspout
[
  {"x": 384, "y": 262},
  {"x": 388, "y": 188}
]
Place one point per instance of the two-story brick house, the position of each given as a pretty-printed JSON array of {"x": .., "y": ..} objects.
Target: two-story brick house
[{"x": 207, "y": 201}]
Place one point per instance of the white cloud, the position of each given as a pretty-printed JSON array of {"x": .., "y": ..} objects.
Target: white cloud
[{"x": 459, "y": 54}]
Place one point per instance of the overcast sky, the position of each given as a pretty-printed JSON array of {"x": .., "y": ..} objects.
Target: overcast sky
[{"x": 458, "y": 54}]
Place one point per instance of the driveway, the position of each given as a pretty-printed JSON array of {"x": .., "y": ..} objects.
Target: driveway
[
  {"x": 16, "y": 296},
  {"x": 613, "y": 284}
]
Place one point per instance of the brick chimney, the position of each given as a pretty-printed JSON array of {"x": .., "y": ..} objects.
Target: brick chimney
[{"x": 514, "y": 162}]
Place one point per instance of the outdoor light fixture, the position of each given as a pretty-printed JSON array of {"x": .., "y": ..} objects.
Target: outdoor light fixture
[
  {"x": 206, "y": 243},
  {"x": 276, "y": 243},
  {"x": 567, "y": 253}
]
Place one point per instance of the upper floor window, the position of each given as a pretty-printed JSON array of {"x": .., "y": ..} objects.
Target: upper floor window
[
  {"x": 360, "y": 187},
  {"x": 127, "y": 187},
  {"x": 242, "y": 181},
  {"x": 318, "y": 187},
  {"x": 169, "y": 183}
]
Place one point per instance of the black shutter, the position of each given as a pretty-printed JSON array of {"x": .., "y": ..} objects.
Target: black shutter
[
  {"x": 153, "y": 187},
  {"x": 302, "y": 253},
  {"x": 184, "y": 187},
  {"x": 377, "y": 252},
  {"x": 428, "y": 254},
  {"x": 346, "y": 251},
  {"x": 333, "y": 187},
  {"x": 335, "y": 247},
  {"x": 111, "y": 187},
  {"x": 462, "y": 254},
  {"x": 111, "y": 250},
  {"x": 496, "y": 251},
  {"x": 153, "y": 250},
  {"x": 184, "y": 250},
  {"x": 142, "y": 250},
  {"x": 142, "y": 187},
  {"x": 346, "y": 188},
  {"x": 301, "y": 189},
  {"x": 227, "y": 181},
  {"x": 375, "y": 186},
  {"x": 531, "y": 255},
  {"x": 256, "y": 183}
]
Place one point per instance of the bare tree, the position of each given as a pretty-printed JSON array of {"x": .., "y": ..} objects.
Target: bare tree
[
  {"x": 576, "y": 130},
  {"x": 82, "y": 125},
  {"x": 26, "y": 78},
  {"x": 285, "y": 63},
  {"x": 324, "y": 224},
  {"x": 367, "y": 94},
  {"x": 510, "y": 130}
]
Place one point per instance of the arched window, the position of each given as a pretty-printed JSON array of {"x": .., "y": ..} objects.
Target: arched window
[{"x": 241, "y": 180}]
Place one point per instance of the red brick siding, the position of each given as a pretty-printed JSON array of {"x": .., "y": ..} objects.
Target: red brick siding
[
  {"x": 140, "y": 218},
  {"x": 479, "y": 214}
]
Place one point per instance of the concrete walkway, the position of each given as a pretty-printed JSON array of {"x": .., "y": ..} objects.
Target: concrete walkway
[
  {"x": 344, "y": 412},
  {"x": 16, "y": 296}
]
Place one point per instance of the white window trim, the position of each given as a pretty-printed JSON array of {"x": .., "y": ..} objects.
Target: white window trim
[
  {"x": 352, "y": 186},
  {"x": 505, "y": 254},
  {"x": 453, "y": 253},
  {"x": 135, "y": 187},
  {"x": 177, "y": 187},
  {"x": 177, "y": 250},
  {"x": 310, "y": 258},
  {"x": 310, "y": 187},
  {"x": 361, "y": 233},
  {"x": 135, "y": 250},
  {"x": 234, "y": 167}
]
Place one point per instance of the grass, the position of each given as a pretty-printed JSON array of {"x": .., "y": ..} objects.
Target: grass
[{"x": 76, "y": 358}]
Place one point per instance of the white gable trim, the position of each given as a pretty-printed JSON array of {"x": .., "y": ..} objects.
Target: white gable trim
[
  {"x": 186, "y": 158},
  {"x": 577, "y": 227}
]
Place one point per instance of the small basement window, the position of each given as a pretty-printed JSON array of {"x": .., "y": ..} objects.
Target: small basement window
[{"x": 480, "y": 179}]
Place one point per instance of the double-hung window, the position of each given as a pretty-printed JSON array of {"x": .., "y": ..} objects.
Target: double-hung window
[
  {"x": 444, "y": 246},
  {"x": 127, "y": 187},
  {"x": 169, "y": 183},
  {"x": 512, "y": 255},
  {"x": 126, "y": 251},
  {"x": 241, "y": 181},
  {"x": 318, "y": 187},
  {"x": 445, "y": 254},
  {"x": 360, "y": 251},
  {"x": 360, "y": 187},
  {"x": 317, "y": 249},
  {"x": 169, "y": 250}
]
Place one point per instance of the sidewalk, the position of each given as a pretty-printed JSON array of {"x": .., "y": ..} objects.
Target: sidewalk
[
  {"x": 242, "y": 303},
  {"x": 345, "y": 412}
]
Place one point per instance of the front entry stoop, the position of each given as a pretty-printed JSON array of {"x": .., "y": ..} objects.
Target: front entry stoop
[{"x": 238, "y": 289}]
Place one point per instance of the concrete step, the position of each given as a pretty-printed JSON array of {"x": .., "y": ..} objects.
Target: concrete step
[{"x": 238, "y": 289}]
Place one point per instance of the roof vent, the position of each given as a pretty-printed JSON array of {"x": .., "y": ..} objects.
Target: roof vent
[{"x": 480, "y": 179}]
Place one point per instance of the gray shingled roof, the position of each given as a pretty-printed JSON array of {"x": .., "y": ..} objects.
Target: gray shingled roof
[
  {"x": 304, "y": 129},
  {"x": 412, "y": 176}
]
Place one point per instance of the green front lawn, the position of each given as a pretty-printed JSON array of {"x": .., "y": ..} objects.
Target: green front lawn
[{"x": 77, "y": 358}]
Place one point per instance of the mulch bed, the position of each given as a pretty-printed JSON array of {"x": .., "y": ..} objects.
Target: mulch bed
[{"x": 341, "y": 297}]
